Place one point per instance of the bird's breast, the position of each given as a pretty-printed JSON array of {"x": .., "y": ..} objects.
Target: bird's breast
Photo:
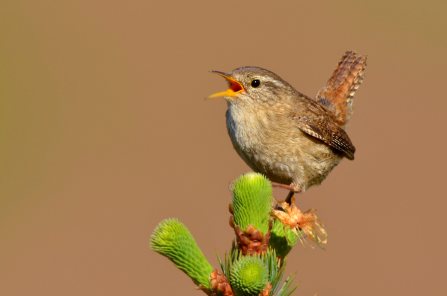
[
  {"x": 259, "y": 140},
  {"x": 271, "y": 144},
  {"x": 246, "y": 127}
]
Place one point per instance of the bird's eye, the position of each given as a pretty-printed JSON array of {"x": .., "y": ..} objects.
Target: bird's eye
[{"x": 255, "y": 83}]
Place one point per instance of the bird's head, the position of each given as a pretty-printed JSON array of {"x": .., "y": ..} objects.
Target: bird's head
[{"x": 253, "y": 84}]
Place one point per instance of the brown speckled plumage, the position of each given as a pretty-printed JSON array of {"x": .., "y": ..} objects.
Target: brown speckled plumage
[
  {"x": 339, "y": 91},
  {"x": 287, "y": 136}
]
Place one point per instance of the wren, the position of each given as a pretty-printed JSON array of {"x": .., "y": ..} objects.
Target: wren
[{"x": 292, "y": 139}]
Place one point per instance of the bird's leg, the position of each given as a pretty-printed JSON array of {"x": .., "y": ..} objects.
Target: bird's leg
[
  {"x": 292, "y": 188},
  {"x": 283, "y": 186},
  {"x": 289, "y": 197}
]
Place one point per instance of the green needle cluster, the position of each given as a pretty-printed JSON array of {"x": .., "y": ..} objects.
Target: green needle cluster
[
  {"x": 173, "y": 240},
  {"x": 233, "y": 267},
  {"x": 248, "y": 276},
  {"x": 242, "y": 274},
  {"x": 252, "y": 201}
]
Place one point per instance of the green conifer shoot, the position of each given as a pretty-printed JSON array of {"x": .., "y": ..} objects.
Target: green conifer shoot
[
  {"x": 173, "y": 240},
  {"x": 252, "y": 201},
  {"x": 248, "y": 276}
]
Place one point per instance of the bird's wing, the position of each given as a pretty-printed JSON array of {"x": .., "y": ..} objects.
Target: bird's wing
[
  {"x": 316, "y": 121},
  {"x": 338, "y": 93}
]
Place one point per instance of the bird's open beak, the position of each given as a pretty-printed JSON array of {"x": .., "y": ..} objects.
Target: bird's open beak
[{"x": 235, "y": 87}]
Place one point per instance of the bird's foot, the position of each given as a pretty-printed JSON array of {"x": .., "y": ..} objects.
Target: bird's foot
[{"x": 292, "y": 190}]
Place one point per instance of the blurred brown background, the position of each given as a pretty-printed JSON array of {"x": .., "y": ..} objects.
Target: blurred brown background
[{"x": 104, "y": 132}]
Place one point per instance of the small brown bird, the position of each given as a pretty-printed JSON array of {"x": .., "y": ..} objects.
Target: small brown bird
[{"x": 293, "y": 140}]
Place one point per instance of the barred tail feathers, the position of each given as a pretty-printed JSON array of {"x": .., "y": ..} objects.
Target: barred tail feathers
[{"x": 338, "y": 93}]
